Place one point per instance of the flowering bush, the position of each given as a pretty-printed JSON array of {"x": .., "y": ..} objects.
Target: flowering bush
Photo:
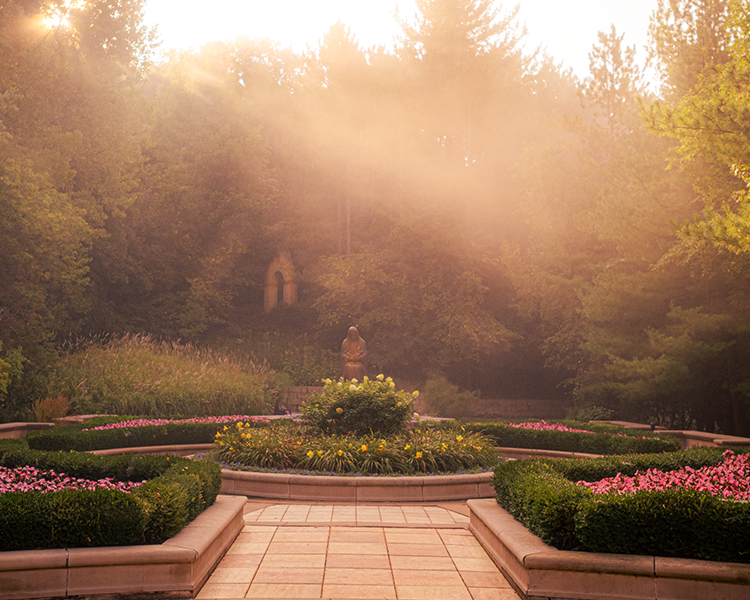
[
  {"x": 728, "y": 480},
  {"x": 370, "y": 407},
  {"x": 416, "y": 451},
  {"x": 30, "y": 479},
  {"x": 157, "y": 422}
]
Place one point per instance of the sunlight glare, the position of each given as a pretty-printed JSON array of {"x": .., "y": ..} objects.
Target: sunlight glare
[{"x": 57, "y": 15}]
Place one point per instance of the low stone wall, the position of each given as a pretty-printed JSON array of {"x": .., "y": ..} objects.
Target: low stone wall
[
  {"x": 178, "y": 568},
  {"x": 487, "y": 408},
  {"x": 541, "y": 572},
  {"x": 293, "y": 397},
  {"x": 281, "y": 486}
]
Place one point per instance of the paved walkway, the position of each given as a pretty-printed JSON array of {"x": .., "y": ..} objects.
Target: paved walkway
[{"x": 357, "y": 552}]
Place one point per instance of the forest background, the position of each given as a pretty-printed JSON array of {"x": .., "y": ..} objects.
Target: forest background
[{"x": 484, "y": 217}]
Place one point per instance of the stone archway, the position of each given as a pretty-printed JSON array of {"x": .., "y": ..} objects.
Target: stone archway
[{"x": 281, "y": 283}]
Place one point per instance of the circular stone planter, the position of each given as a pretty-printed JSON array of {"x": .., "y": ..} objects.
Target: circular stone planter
[
  {"x": 283, "y": 486},
  {"x": 286, "y": 486}
]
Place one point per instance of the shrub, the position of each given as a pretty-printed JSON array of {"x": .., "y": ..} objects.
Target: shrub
[
  {"x": 69, "y": 519},
  {"x": 373, "y": 406},
  {"x": 676, "y": 523},
  {"x": 75, "y": 438},
  {"x": 177, "y": 491},
  {"x": 50, "y": 408},
  {"x": 447, "y": 400},
  {"x": 541, "y": 494},
  {"x": 589, "y": 443}
]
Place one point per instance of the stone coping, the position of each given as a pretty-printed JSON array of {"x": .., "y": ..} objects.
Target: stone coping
[
  {"x": 177, "y": 568},
  {"x": 539, "y": 571},
  {"x": 284, "y": 486},
  {"x": 19, "y": 430}
]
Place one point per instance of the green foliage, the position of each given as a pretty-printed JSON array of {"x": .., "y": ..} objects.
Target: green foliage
[
  {"x": 588, "y": 443},
  {"x": 73, "y": 438},
  {"x": 446, "y": 400},
  {"x": 177, "y": 491},
  {"x": 676, "y": 523},
  {"x": 138, "y": 375},
  {"x": 419, "y": 299},
  {"x": 69, "y": 519},
  {"x": 372, "y": 406},
  {"x": 541, "y": 493},
  {"x": 419, "y": 450}
]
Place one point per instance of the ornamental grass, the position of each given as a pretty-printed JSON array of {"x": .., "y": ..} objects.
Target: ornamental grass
[{"x": 139, "y": 375}]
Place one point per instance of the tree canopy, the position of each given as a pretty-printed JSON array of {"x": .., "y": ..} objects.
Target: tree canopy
[{"x": 479, "y": 213}]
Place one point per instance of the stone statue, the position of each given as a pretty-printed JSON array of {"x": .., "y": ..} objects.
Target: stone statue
[{"x": 353, "y": 356}]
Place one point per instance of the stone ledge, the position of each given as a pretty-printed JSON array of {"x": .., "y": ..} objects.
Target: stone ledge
[
  {"x": 356, "y": 489},
  {"x": 539, "y": 571},
  {"x": 178, "y": 568},
  {"x": 19, "y": 430}
]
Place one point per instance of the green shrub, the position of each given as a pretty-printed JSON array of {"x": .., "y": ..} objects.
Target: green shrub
[
  {"x": 69, "y": 519},
  {"x": 177, "y": 491},
  {"x": 675, "y": 523},
  {"x": 350, "y": 407},
  {"x": 542, "y": 495},
  {"x": 447, "y": 400},
  {"x": 566, "y": 441},
  {"x": 542, "y": 499},
  {"x": 74, "y": 438}
]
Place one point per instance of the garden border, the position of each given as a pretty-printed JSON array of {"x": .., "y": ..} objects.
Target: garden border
[
  {"x": 179, "y": 567},
  {"x": 540, "y": 572}
]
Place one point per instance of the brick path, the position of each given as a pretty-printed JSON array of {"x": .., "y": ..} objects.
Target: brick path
[{"x": 357, "y": 552}]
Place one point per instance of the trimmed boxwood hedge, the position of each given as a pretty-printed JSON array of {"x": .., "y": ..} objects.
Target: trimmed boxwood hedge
[
  {"x": 542, "y": 495},
  {"x": 176, "y": 492},
  {"x": 566, "y": 441},
  {"x": 73, "y": 437}
]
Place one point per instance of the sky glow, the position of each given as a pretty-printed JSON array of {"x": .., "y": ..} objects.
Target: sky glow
[{"x": 567, "y": 28}]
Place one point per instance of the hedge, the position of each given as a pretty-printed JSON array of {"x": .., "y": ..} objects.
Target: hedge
[
  {"x": 542, "y": 495},
  {"x": 566, "y": 441},
  {"x": 74, "y": 438},
  {"x": 177, "y": 491}
]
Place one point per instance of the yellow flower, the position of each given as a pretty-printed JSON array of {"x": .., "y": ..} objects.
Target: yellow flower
[
  {"x": 340, "y": 410},
  {"x": 363, "y": 448},
  {"x": 340, "y": 452},
  {"x": 415, "y": 393},
  {"x": 320, "y": 453},
  {"x": 459, "y": 438},
  {"x": 225, "y": 427},
  {"x": 407, "y": 446},
  {"x": 418, "y": 455},
  {"x": 379, "y": 377},
  {"x": 479, "y": 448},
  {"x": 221, "y": 443},
  {"x": 310, "y": 454}
]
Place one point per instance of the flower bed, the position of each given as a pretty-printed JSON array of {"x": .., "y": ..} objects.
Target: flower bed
[
  {"x": 572, "y": 437},
  {"x": 670, "y": 520},
  {"x": 728, "y": 480},
  {"x": 170, "y": 493},
  {"x": 31, "y": 479},
  {"x": 417, "y": 451},
  {"x": 131, "y": 433}
]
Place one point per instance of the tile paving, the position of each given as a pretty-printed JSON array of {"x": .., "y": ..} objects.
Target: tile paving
[{"x": 356, "y": 552}]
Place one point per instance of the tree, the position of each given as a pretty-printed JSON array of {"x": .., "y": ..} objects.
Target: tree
[{"x": 420, "y": 301}]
